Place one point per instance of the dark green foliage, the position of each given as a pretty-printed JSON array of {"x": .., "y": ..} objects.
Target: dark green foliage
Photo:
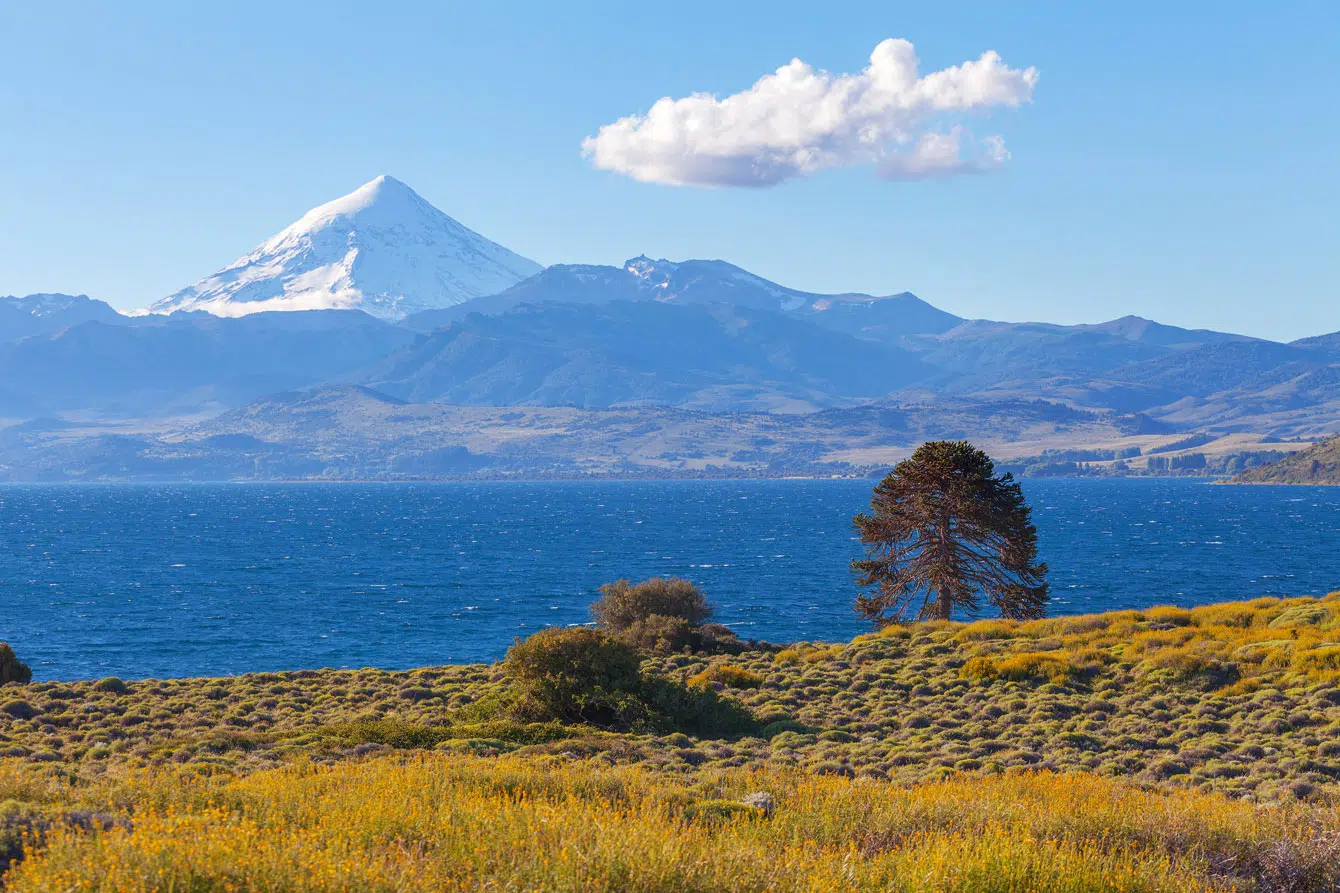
[
  {"x": 694, "y": 709},
  {"x": 661, "y": 634},
  {"x": 19, "y": 709},
  {"x": 390, "y": 732},
  {"x": 662, "y": 616},
  {"x": 11, "y": 668},
  {"x": 111, "y": 684},
  {"x": 622, "y": 604},
  {"x": 577, "y": 675},
  {"x": 588, "y": 676},
  {"x": 943, "y": 532}
]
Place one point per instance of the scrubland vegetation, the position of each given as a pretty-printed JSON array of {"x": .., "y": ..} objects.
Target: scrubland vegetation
[
  {"x": 1164, "y": 749},
  {"x": 451, "y": 822}
]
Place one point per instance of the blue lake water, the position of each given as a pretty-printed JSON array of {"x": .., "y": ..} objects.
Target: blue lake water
[{"x": 141, "y": 580}]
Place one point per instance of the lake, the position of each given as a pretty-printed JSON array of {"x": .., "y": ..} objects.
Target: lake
[{"x": 214, "y": 579}]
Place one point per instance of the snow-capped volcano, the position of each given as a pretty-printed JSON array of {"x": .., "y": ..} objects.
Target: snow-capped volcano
[{"x": 381, "y": 249}]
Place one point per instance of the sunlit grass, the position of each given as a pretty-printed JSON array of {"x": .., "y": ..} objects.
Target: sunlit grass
[{"x": 435, "y": 821}]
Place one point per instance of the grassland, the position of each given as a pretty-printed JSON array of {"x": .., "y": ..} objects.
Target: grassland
[{"x": 1166, "y": 749}]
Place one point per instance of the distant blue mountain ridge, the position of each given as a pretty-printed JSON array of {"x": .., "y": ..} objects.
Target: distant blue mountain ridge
[{"x": 701, "y": 334}]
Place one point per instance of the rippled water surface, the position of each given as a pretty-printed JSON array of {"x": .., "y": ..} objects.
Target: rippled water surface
[{"x": 140, "y": 581}]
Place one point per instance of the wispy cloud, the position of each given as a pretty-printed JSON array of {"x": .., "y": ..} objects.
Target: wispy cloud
[{"x": 799, "y": 121}]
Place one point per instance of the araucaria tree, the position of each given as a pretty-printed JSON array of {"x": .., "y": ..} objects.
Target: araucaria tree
[{"x": 945, "y": 531}]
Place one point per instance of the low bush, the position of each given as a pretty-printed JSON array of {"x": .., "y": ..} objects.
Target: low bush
[
  {"x": 727, "y": 675},
  {"x": 13, "y": 670},
  {"x": 623, "y": 604},
  {"x": 1307, "y": 614},
  {"x": 660, "y": 634},
  {"x": 19, "y": 709},
  {"x": 1325, "y": 658},
  {"x": 979, "y": 669},
  {"x": 588, "y": 676},
  {"x": 1032, "y": 666},
  {"x": 577, "y": 675},
  {"x": 662, "y": 616},
  {"x": 390, "y": 732},
  {"x": 698, "y": 711}
]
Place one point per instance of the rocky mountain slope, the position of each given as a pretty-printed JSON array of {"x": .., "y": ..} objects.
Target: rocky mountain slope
[{"x": 1319, "y": 464}]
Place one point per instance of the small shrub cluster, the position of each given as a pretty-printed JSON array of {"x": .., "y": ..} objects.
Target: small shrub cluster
[
  {"x": 661, "y": 615},
  {"x": 577, "y": 675},
  {"x": 585, "y": 675},
  {"x": 727, "y": 676}
]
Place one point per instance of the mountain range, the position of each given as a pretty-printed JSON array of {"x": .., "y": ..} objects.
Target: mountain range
[{"x": 379, "y": 290}]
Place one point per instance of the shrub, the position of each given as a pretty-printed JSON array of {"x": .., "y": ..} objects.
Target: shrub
[
  {"x": 719, "y": 812},
  {"x": 577, "y": 674},
  {"x": 727, "y": 675},
  {"x": 663, "y": 616},
  {"x": 623, "y": 604},
  {"x": 700, "y": 711},
  {"x": 19, "y": 709},
  {"x": 1323, "y": 658},
  {"x": 979, "y": 669},
  {"x": 718, "y": 639},
  {"x": 11, "y": 668},
  {"x": 660, "y": 634},
  {"x": 1189, "y": 665},
  {"x": 986, "y": 630},
  {"x": 1306, "y": 614},
  {"x": 1169, "y": 614},
  {"x": 111, "y": 684},
  {"x": 390, "y": 732},
  {"x": 1034, "y": 665}
]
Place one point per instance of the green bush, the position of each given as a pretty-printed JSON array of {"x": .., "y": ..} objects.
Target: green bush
[
  {"x": 700, "y": 711},
  {"x": 577, "y": 675},
  {"x": 390, "y": 732},
  {"x": 660, "y": 634},
  {"x": 622, "y": 604},
  {"x": 11, "y": 668},
  {"x": 663, "y": 616}
]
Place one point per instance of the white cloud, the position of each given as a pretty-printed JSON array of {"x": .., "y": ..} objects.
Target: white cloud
[
  {"x": 799, "y": 121},
  {"x": 937, "y": 154}
]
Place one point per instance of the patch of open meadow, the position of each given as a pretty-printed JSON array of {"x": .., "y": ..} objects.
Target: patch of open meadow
[{"x": 434, "y": 821}]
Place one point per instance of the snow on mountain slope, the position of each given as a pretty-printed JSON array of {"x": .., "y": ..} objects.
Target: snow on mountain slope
[{"x": 381, "y": 249}]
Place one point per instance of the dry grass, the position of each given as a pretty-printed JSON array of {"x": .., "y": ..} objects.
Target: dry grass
[{"x": 438, "y": 822}]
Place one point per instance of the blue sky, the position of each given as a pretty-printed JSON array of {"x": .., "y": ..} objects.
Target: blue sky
[{"x": 1177, "y": 164}]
